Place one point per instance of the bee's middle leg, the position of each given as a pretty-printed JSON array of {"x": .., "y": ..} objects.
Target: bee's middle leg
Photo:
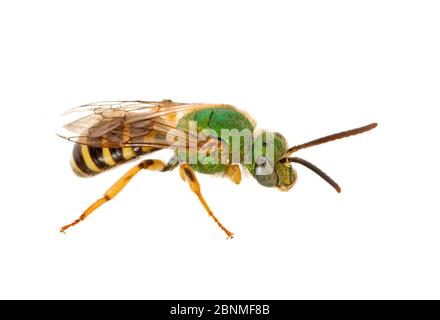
[{"x": 188, "y": 174}]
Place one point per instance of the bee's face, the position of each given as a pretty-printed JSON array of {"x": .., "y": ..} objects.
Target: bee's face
[
  {"x": 286, "y": 176},
  {"x": 283, "y": 177},
  {"x": 271, "y": 172}
]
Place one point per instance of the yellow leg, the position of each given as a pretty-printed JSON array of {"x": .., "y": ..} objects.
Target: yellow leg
[
  {"x": 233, "y": 172},
  {"x": 188, "y": 175},
  {"x": 155, "y": 165}
]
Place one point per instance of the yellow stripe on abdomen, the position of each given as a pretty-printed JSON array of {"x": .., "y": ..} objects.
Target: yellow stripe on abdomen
[
  {"x": 128, "y": 153},
  {"x": 88, "y": 159},
  {"x": 108, "y": 157},
  {"x": 76, "y": 169}
]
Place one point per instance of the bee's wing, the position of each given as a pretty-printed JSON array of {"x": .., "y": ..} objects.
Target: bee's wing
[{"x": 127, "y": 123}]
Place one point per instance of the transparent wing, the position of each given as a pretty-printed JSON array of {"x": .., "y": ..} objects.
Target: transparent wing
[{"x": 127, "y": 123}]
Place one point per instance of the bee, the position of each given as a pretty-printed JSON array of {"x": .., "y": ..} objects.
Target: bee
[{"x": 109, "y": 134}]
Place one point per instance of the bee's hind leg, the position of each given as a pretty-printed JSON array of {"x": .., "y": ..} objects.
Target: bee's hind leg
[
  {"x": 188, "y": 174},
  {"x": 154, "y": 165}
]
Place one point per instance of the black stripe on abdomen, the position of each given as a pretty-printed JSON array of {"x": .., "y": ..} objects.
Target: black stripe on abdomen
[
  {"x": 97, "y": 157},
  {"x": 138, "y": 151},
  {"x": 116, "y": 154},
  {"x": 79, "y": 163}
]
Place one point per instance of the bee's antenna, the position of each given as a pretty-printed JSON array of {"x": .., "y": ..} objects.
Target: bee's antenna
[
  {"x": 316, "y": 170},
  {"x": 332, "y": 137}
]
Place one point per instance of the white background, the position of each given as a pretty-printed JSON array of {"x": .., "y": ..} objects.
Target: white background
[{"x": 304, "y": 68}]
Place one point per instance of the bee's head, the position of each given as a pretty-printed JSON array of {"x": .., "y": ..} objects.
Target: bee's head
[
  {"x": 269, "y": 169},
  {"x": 272, "y": 167}
]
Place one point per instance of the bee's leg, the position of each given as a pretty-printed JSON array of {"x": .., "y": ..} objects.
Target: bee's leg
[
  {"x": 155, "y": 165},
  {"x": 188, "y": 174},
  {"x": 233, "y": 172}
]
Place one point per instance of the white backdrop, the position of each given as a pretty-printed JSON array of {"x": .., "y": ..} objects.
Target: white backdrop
[{"x": 303, "y": 68}]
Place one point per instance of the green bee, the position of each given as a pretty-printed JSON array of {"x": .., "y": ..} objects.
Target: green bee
[{"x": 215, "y": 139}]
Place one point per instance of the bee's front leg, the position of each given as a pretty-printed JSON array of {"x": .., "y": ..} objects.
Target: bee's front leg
[{"x": 233, "y": 172}]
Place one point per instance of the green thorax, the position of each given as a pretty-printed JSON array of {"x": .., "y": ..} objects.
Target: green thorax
[{"x": 216, "y": 118}]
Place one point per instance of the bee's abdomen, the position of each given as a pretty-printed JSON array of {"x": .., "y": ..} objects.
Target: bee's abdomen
[{"x": 89, "y": 161}]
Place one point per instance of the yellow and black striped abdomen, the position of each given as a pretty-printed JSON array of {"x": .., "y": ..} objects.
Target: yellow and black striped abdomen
[{"x": 89, "y": 161}]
